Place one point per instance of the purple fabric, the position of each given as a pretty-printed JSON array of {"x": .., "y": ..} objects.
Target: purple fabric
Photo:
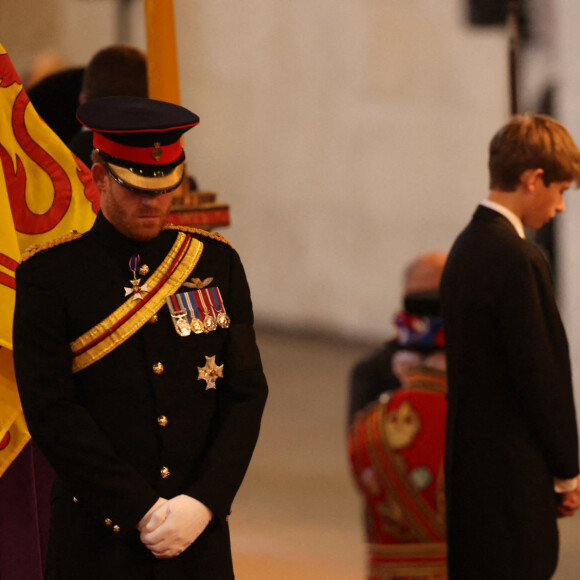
[{"x": 24, "y": 515}]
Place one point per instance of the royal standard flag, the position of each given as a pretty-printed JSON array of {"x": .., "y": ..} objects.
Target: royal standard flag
[{"x": 45, "y": 192}]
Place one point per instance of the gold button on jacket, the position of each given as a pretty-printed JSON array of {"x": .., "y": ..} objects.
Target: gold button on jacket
[{"x": 158, "y": 368}]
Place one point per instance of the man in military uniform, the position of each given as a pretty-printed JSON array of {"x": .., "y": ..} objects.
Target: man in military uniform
[{"x": 137, "y": 366}]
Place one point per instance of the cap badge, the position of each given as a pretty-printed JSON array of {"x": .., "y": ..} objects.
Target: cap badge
[
  {"x": 157, "y": 152},
  {"x": 210, "y": 372}
]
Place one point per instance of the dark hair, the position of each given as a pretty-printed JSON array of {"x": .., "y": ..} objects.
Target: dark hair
[
  {"x": 532, "y": 142},
  {"x": 56, "y": 98},
  {"x": 118, "y": 70}
]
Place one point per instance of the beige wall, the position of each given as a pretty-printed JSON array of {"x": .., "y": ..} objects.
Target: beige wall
[
  {"x": 23, "y": 36},
  {"x": 73, "y": 29},
  {"x": 567, "y": 76},
  {"x": 347, "y": 135}
]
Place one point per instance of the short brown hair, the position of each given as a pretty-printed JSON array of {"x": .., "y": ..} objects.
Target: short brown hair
[
  {"x": 532, "y": 141},
  {"x": 118, "y": 70}
]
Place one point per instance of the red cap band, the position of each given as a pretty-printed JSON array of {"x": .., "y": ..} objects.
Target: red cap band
[{"x": 156, "y": 155}]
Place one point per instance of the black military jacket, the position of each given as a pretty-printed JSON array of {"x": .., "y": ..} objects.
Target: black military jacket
[{"x": 137, "y": 424}]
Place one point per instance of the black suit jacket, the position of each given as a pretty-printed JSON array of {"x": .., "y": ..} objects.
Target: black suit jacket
[
  {"x": 511, "y": 424},
  {"x": 99, "y": 427}
]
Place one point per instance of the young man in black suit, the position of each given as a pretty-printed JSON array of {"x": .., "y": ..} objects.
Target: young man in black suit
[{"x": 511, "y": 446}]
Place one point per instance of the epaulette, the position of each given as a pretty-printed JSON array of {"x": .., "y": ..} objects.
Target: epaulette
[
  {"x": 32, "y": 250},
  {"x": 199, "y": 231}
]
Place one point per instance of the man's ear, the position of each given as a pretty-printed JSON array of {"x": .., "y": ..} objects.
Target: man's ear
[
  {"x": 529, "y": 178},
  {"x": 99, "y": 173}
]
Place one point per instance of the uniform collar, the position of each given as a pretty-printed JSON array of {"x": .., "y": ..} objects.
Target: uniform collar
[
  {"x": 112, "y": 238},
  {"x": 508, "y": 214},
  {"x": 121, "y": 248}
]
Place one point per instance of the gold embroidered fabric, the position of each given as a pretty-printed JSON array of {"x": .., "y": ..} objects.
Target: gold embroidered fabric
[
  {"x": 132, "y": 315},
  {"x": 213, "y": 235},
  {"x": 420, "y": 561},
  {"x": 32, "y": 250}
]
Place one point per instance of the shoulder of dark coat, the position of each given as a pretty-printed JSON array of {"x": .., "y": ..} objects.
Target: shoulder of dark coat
[
  {"x": 49, "y": 244},
  {"x": 492, "y": 239},
  {"x": 200, "y": 232}
]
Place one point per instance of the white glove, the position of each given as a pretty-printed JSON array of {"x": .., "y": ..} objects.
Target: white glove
[
  {"x": 145, "y": 519},
  {"x": 175, "y": 525}
]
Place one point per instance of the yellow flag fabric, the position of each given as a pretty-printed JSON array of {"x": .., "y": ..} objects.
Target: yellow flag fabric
[
  {"x": 13, "y": 432},
  {"x": 45, "y": 192}
]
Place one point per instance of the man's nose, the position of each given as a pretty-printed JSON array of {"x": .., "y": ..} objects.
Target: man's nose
[{"x": 148, "y": 200}]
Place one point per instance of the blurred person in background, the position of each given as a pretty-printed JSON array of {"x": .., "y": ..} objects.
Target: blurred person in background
[
  {"x": 396, "y": 441},
  {"x": 116, "y": 70},
  {"x": 374, "y": 375}
]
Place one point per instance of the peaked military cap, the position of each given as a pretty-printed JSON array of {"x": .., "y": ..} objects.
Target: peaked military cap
[{"x": 139, "y": 140}]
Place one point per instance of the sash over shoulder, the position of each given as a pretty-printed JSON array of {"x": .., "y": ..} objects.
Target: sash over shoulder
[{"x": 132, "y": 315}]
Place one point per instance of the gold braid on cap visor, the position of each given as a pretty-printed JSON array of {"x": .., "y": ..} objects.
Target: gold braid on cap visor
[{"x": 157, "y": 182}]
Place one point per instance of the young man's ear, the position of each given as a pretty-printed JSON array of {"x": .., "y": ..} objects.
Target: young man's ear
[
  {"x": 99, "y": 173},
  {"x": 529, "y": 179}
]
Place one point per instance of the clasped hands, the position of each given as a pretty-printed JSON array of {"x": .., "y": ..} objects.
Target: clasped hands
[
  {"x": 569, "y": 503},
  {"x": 171, "y": 526}
]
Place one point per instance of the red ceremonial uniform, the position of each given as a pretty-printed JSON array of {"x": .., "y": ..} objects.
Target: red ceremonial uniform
[{"x": 396, "y": 451}]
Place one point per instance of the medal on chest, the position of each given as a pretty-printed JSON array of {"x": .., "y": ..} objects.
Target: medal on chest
[
  {"x": 137, "y": 289},
  {"x": 210, "y": 372},
  {"x": 198, "y": 311}
]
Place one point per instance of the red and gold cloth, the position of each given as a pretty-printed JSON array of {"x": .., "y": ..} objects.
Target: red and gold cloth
[
  {"x": 45, "y": 191},
  {"x": 396, "y": 448}
]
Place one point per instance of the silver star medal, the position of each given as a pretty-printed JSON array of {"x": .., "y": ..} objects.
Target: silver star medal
[
  {"x": 136, "y": 287},
  {"x": 210, "y": 372},
  {"x": 182, "y": 326}
]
